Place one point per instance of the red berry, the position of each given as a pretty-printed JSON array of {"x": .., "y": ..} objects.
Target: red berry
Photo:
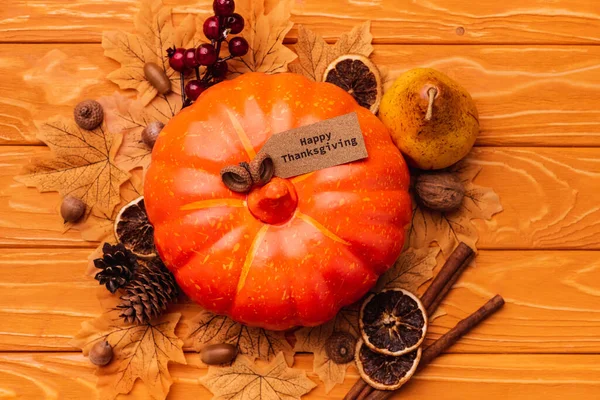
[
  {"x": 194, "y": 89},
  {"x": 206, "y": 54},
  {"x": 235, "y": 23},
  {"x": 176, "y": 59},
  {"x": 189, "y": 58},
  {"x": 212, "y": 28},
  {"x": 223, "y": 7},
  {"x": 238, "y": 47},
  {"x": 219, "y": 70}
]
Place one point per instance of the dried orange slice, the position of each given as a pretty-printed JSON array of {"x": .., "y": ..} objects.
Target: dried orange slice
[
  {"x": 358, "y": 76},
  {"x": 385, "y": 372},
  {"x": 133, "y": 229},
  {"x": 393, "y": 322}
]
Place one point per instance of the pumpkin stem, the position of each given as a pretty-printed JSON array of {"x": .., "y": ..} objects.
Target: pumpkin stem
[{"x": 275, "y": 202}]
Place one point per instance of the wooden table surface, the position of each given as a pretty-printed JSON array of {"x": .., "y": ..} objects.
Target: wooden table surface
[{"x": 532, "y": 66}]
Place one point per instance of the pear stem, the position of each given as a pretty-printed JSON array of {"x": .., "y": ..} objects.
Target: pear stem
[{"x": 432, "y": 92}]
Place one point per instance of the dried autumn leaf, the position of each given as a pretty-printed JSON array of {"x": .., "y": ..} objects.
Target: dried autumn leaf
[
  {"x": 140, "y": 352},
  {"x": 313, "y": 340},
  {"x": 99, "y": 227},
  {"x": 329, "y": 372},
  {"x": 155, "y": 33},
  {"x": 130, "y": 117},
  {"x": 208, "y": 328},
  {"x": 82, "y": 164},
  {"x": 266, "y": 27},
  {"x": 413, "y": 268},
  {"x": 449, "y": 229},
  {"x": 246, "y": 380},
  {"x": 315, "y": 54}
]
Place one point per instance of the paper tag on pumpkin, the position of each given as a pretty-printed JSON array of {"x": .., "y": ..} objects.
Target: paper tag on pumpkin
[{"x": 320, "y": 145}]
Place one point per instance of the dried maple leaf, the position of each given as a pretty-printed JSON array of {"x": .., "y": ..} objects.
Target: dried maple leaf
[
  {"x": 246, "y": 380},
  {"x": 449, "y": 229},
  {"x": 99, "y": 227},
  {"x": 266, "y": 27},
  {"x": 313, "y": 340},
  {"x": 208, "y": 328},
  {"x": 140, "y": 352},
  {"x": 413, "y": 268},
  {"x": 130, "y": 117},
  {"x": 155, "y": 33},
  {"x": 315, "y": 54},
  {"x": 82, "y": 164}
]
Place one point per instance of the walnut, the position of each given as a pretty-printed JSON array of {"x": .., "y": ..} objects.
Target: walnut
[{"x": 441, "y": 191}]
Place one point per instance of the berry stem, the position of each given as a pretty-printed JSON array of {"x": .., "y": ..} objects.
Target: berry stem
[
  {"x": 182, "y": 80},
  {"x": 198, "y": 73}
]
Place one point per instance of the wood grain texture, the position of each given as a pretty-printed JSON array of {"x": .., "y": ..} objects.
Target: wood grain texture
[
  {"x": 550, "y": 199},
  {"x": 526, "y": 96},
  {"x": 70, "y": 376},
  {"x": 549, "y": 301},
  {"x": 394, "y": 21}
]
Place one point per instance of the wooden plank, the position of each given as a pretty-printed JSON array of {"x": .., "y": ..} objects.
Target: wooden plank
[
  {"x": 450, "y": 377},
  {"x": 515, "y": 87},
  {"x": 455, "y": 21},
  {"x": 45, "y": 297},
  {"x": 549, "y": 197}
]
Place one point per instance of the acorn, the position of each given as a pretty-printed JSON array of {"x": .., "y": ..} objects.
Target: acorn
[
  {"x": 88, "y": 114},
  {"x": 216, "y": 354},
  {"x": 340, "y": 347},
  {"x": 72, "y": 209},
  {"x": 442, "y": 191},
  {"x": 157, "y": 77},
  {"x": 101, "y": 353},
  {"x": 151, "y": 132}
]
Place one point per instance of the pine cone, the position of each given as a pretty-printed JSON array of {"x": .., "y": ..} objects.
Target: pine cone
[
  {"x": 118, "y": 265},
  {"x": 149, "y": 293}
]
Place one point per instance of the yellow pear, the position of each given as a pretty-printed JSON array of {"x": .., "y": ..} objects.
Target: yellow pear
[{"x": 433, "y": 120}]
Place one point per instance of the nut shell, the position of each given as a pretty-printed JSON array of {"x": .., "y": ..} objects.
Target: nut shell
[
  {"x": 442, "y": 192},
  {"x": 88, "y": 114},
  {"x": 101, "y": 353},
  {"x": 340, "y": 347},
  {"x": 216, "y": 354},
  {"x": 151, "y": 132},
  {"x": 72, "y": 209},
  {"x": 157, "y": 77}
]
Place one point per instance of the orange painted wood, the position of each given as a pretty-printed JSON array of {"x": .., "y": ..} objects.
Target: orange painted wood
[
  {"x": 451, "y": 377},
  {"x": 45, "y": 297},
  {"x": 526, "y": 95},
  {"x": 394, "y": 21},
  {"x": 532, "y": 68}
]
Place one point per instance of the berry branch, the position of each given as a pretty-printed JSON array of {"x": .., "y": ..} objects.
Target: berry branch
[{"x": 216, "y": 28}]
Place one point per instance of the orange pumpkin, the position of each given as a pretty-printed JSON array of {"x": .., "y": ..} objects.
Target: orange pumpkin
[{"x": 295, "y": 251}]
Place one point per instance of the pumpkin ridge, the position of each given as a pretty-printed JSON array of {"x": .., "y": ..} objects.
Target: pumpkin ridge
[
  {"x": 212, "y": 203},
  {"x": 241, "y": 134},
  {"x": 256, "y": 242},
  {"x": 320, "y": 227}
]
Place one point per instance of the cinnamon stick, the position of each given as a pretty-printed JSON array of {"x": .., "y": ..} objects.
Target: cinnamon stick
[
  {"x": 445, "y": 279},
  {"x": 364, "y": 394},
  {"x": 446, "y": 341},
  {"x": 433, "y": 296},
  {"x": 357, "y": 389}
]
